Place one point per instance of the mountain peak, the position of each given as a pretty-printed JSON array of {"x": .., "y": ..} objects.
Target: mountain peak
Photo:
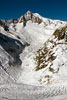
[
  {"x": 28, "y": 12},
  {"x": 29, "y": 16}
]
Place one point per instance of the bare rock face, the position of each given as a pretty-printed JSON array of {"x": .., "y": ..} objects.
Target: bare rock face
[
  {"x": 29, "y": 16},
  {"x": 26, "y": 17},
  {"x": 12, "y": 46},
  {"x": 36, "y": 20},
  {"x": 3, "y": 23},
  {"x": 61, "y": 33}
]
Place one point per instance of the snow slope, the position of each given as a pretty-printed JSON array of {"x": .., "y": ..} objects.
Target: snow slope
[
  {"x": 32, "y": 30},
  {"x": 33, "y": 51}
]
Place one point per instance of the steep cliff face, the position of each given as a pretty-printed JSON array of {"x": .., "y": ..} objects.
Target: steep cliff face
[{"x": 10, "y": 50}]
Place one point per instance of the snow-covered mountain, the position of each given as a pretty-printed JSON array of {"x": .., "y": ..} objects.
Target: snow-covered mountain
[{"x": 33, "y": 50}]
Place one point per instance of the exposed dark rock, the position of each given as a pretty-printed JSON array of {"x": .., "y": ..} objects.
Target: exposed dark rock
[
  {"x": 29, "y": 16},
  {"x": 4, "y": 25},
  {"x": 61, "y": 33},
  {"x": 12, "y": 46}
]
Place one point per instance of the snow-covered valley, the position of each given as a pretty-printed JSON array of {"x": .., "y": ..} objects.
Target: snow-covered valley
[{"x": 33, "y": 51}]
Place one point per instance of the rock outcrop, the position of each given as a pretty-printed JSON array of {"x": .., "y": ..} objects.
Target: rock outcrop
[{"x": 28, "y": 16}]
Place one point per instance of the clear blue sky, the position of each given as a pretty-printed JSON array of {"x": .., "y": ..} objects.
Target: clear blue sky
[{"x": 55, "y": 9}]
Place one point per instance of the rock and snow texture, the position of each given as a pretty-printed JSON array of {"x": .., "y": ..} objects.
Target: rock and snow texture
[
  {"x": 33, "y": 51},
  {"x": 51, "y": 60}
]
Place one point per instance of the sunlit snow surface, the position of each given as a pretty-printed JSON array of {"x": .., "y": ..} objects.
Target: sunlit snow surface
[
  {"x": 33, "y": 36},
  {"x": 36, "y": 35}
]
